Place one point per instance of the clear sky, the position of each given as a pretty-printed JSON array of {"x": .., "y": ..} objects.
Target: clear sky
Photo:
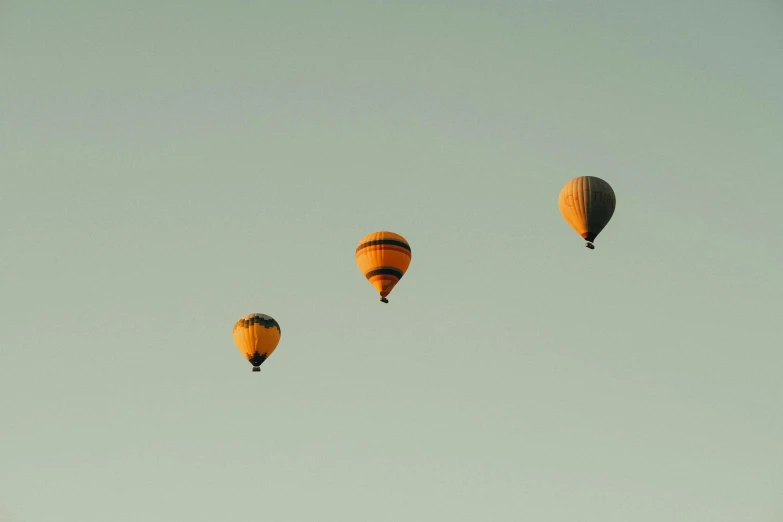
[{"x": 168, "y": 167}]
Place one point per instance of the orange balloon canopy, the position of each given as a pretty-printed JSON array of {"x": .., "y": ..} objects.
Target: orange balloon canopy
[
  {"x": 383, "y": 258},
  {"x": 587, "y": 204},
  {"x": 256, "y": 336}
]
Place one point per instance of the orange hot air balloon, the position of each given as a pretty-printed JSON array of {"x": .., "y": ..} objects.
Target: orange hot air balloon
[
  {"x": 383, "y": 258},
  {"x": 587, "y": 204},
  {"x": 256, "y": 336}
]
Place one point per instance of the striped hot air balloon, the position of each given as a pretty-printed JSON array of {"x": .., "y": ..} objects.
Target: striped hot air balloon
[
  {"x": 587, "y": 204},
  {"x": 256, "y": 336},
  {"x": 383, "y": 258}
]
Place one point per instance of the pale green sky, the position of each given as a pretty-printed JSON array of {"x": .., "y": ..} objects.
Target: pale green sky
[{"x": 168, "y": 167}]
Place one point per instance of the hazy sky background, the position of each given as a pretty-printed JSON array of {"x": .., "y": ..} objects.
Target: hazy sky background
[{"x": 168, "y": 167}]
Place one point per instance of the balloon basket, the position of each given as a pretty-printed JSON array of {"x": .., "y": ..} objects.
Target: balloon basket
[
  {"x": 256, "y": 369},
  {"x": 384, "y": 300},
  {"x": 590, "y": 246}
]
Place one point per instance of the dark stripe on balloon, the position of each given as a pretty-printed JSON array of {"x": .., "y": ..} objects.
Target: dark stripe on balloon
[
  {"x": 257, "y": 359},
  {"x": 384, "y": 271},
  {"x": 266, "y": 323},
  {"x": 395, "y": 242},
  {"x": 387, "y": 278},
  {"x": 383, "y": 250}
]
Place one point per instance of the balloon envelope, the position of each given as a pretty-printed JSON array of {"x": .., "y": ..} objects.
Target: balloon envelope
[
  {"x": 383, "y": 257},
  {"x": 587, "y": 204},
  {"x": 256, "y": 336}
]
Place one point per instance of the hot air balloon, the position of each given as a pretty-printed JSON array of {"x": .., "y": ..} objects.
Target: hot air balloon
[
  {"x": 383, "y": 258},
  {"x": 256, "y": 336},
  {"x": 587, "y": 204}
]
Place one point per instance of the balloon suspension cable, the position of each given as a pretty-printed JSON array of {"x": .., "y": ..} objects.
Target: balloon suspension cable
[
  {"x": 384, "y": 300},
  {"x": 590, "y": 245},
  {"x": 256, "y": 369}
]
